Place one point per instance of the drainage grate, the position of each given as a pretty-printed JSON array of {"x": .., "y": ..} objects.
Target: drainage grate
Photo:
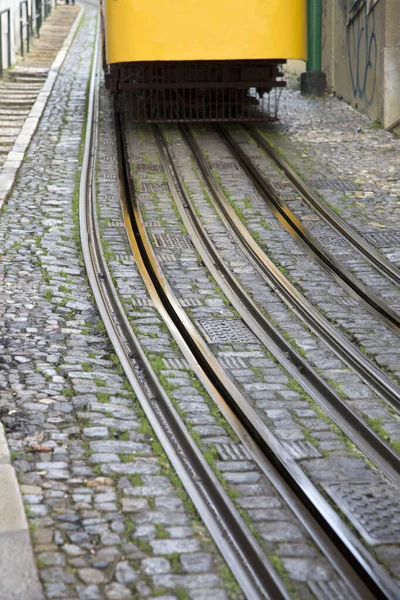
[
  {"x": 190, "y": 302},
  {"x": 148, "y": 168},
  {"x": 219, "y": 331},
  {"x": 142, "y": 302},
  {"x": 175, "y": 363},
  {"x": 391, "y": 237},
  {"x": 299, "y": 450},
  {"x": 338, "y": 185},
  {"x": 153, "y": 224},
  {"x": 282, "y": 186},
  {"x": 331, "y": 589},
  {"x": 219, "y": 165},
  {"x": 373, "y": 509},
  {"x": 153, "y": 187},
  {"x": 177, "y": 242},
  {"x": 167, "y": 257},
  {"x": 334, "y": 241},
  {"x": 233, "y": 362},
  {"x": 124, "y": 257},
  {"x": 232, "y": 452}
]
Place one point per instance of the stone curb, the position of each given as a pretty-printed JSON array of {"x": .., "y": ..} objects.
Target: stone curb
[
  {"x": 10, "y": 168},
  {"x": 18, "y": 574}
]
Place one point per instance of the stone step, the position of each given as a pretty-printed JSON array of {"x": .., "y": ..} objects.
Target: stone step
[
  {"x": 7, "y": 132},
  {"x": 17, "y": 103},
  {"x": 29, "y": 72},
  {"x": 10, "y": 113}
]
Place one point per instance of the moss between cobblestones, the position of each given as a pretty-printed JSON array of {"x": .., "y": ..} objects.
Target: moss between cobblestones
[
  {"x": 280, "y": 569},
  {"x": 377, "y": 425},
  {"x": 166, "y": 469},
  {"x": 354, "y": 340},
  {"x": 211, "y": 456}
]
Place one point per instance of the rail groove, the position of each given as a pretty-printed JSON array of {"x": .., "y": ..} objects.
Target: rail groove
[
  {"x": 332, "y": 532},
  {"x": 248, "y": 563},
  {"x": 320, "y": 326},
  {"x": 377, "y": 259},
  {"x": 370, "y": 300}
]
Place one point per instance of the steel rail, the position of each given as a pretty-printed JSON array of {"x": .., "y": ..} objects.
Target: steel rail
[
  {"x": 310, "y": 196},
  {"x": 248, "y": 563},
  {"x": 331, "y": 526},
  {"x": 373, "y": 303},
  {"x": 342, "y": 347},
  {"x": 360, "y": 433}
]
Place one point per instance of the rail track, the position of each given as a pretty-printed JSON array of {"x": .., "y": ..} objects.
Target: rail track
[
  {"x": 374, "y": 304},
  {"x": 367, "y": 251},
  {"x": 268, "y": 444},
  {"x": 343, "y": 348},
  {"x": 247, "y": 561},
  {"x": 364, "y": 577}
]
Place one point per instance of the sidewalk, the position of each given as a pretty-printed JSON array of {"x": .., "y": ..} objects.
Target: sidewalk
[{"x": 25, "y": 89}]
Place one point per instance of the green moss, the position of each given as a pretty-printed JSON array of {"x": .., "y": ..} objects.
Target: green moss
[
  {"x": 103, "y": 397},
  {"x": 136, "y": 479},
  {"x": 161, "y": 532},
  {"x": 126, "y": 458},
  {"x": 130, "y": 526},
  {"x": 87, "y": 367},
  {"x": 67, "y": 392}
]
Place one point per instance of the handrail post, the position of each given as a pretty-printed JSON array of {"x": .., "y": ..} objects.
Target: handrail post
[
  {"x": 9, "y": 36},
  {"x": 1, "y": 46},
  {"x": 27, "y": 25},
  {"x": 8, "y": 12},
  {"x": 21, "y": 29}
]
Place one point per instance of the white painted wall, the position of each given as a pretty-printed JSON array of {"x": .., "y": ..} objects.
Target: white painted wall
[{"x": 14, "y": 6}]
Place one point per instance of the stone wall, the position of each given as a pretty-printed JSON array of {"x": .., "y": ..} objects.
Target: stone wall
[{"x": 361, "y": 55}]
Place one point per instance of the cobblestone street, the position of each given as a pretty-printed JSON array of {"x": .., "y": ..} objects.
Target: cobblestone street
[{"x": 106, "y": 515}]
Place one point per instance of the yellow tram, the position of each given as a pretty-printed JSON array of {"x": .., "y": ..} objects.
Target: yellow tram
[{"x": 201, "y": 54}]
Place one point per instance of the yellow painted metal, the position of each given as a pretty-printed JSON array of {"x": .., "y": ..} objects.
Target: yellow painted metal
[{"x": 141, "y": 30}]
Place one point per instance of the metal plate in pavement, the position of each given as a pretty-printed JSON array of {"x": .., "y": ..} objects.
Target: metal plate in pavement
[
  {"x": 338, "y": 185},
  {"x": 390, "y": 237},
  {"x": 373, "y": 509},
  {"x": 219, "y": 331},
  {"x": 176, "y": 242}
]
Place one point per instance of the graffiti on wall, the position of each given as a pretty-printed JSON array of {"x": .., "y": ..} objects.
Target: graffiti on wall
[{"x": 362, "y": 49}]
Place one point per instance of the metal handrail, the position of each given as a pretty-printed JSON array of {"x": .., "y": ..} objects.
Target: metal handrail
[
  {"x": 36, "y": 16},
  {"x": 22, "y": 25},
  {"x": 47, "y": 8},
  {"x": 2, "y": 12}
]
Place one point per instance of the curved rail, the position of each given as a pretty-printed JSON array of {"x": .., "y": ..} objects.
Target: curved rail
[
  {"x": 347, "y": 351},
  {"x": 248, "y": 563},
  {"x": 379, "y": 261},
  {"x": 373, "y": 303},
  {"x": 333, "y": 529},
  {"x": 361, "y": 434}
]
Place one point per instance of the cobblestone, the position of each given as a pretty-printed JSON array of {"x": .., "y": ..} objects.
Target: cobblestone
[
  {"x": 191, "y": 400},
  {"x": 319, "y": 355},
  {"x": 68, "y": 408},
  {"x": 259, "y": 367}
]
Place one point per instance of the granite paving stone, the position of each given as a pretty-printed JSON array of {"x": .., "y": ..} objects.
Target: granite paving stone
[
  {"x": 87, "y": 461},
  {"x": 190, "y": 282},
  {"x": 299, "y": 434}
]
